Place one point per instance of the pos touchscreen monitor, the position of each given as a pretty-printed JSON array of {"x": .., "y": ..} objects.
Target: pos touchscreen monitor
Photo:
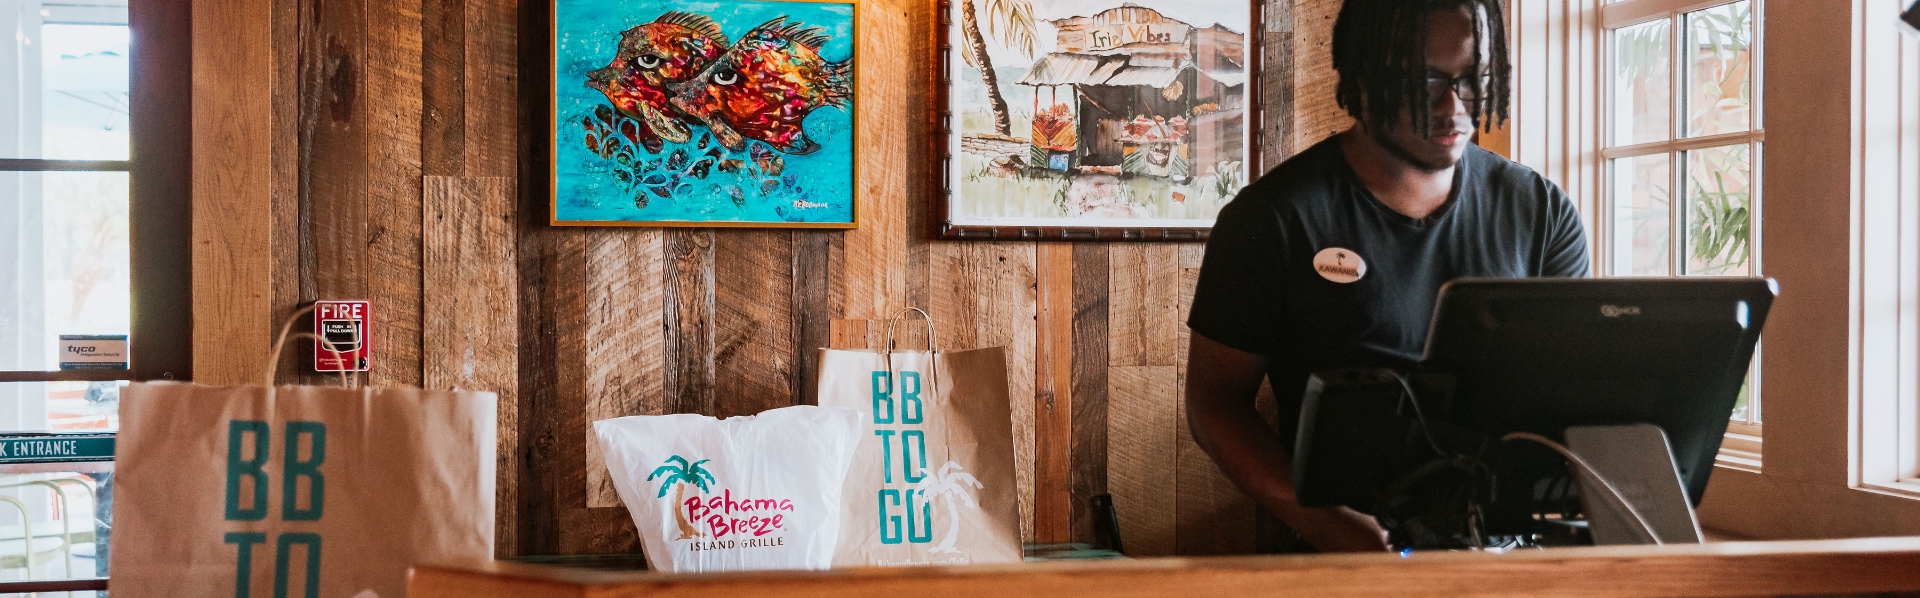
[{"x": 1542, "y": 355}]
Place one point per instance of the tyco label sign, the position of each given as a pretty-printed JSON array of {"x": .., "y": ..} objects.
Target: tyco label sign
[
  {"x": 93, "y": 352},
  {"x": 343, "y": 328}
]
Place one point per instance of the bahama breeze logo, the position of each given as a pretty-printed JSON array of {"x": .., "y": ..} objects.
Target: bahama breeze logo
[{"x": 723, "y": 522}]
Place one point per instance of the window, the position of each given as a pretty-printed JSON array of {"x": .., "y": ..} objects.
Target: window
[
  {"x": 95, "y": 120},
  {"x": 1841, "y": 225},
  {"x": 64, "y": 189},
  {"x": 1887, "y": 155},
  {"x": 1682, "y": 143}
]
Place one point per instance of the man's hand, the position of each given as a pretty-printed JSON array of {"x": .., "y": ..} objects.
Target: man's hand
[
  {"x": 1221, "y": 384},
  {"x": 1337, "y": 529}
]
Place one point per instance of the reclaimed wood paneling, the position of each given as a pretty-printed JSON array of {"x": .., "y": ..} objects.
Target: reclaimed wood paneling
[
  {"x": 469, "y": 268},
  {"x": 364, "y": 150},
  {"x": 443, "y": 115},
  {"x": 752, "y": 315},
  {"x": 491, "y": 143},
  {"x": 1145, "y": 304},
  {"x": 233, "y": 145},
  {"x": 848, "y": 334},
  {"x": 394, "y": 188},
  {"x": 869, "y": 279},
  {"x": 1142, "y": 405},
  {"x": 1008, "y": 308},
  {"x": 552, "y": 489},
  {"x": 954, "y": 293},
  {"x": 552, "y": 377},
  {"x": 1052, "y": 513},
  {"x": 625, "y": 303},
  {"x": 291, "y": 291},
  {"x": 1143, "y": 399},
  {"x": 984, "y": 295},
  {"x": 688, "y": 323},
  {"x": 1276, "y": 93},
  {"x": 812, "y": 316},
  {"x": 1088, "y": 447},
  {"x": 1211, "y": 515},
  {"x": 333, "y": 150}
]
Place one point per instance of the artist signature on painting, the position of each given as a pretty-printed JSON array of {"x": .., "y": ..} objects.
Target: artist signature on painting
[{"x": 802, "y": 204}]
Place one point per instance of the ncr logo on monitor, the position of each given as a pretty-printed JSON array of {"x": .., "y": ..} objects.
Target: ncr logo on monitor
[{"x": 1619, "y": 311}]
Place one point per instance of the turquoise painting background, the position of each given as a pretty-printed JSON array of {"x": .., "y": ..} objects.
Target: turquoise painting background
[{"x": 587, "y": 35}]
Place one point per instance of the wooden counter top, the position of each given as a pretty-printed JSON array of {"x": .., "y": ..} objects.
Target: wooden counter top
[{"x": 1801, "y": 568}]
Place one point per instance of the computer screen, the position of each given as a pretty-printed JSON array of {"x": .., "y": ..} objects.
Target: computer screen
[{"x": 1542, "y": 355}]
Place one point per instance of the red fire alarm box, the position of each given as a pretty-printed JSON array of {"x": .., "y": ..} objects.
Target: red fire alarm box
[{"x": 343, "y": 328}]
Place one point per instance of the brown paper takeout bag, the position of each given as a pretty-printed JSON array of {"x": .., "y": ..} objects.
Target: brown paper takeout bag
[
  {"x": 297, "y": 490},
  {"x": 932, "y": 481}
]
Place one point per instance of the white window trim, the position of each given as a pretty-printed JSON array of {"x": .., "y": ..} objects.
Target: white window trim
[
  {"x": 1886, "y": 193},
  {"x": 1827, "y": 388},
  {"x": 1742, "y": 446}
]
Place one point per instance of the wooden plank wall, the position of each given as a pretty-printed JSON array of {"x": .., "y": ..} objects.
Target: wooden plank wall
[{"x": 401, "y": 157}]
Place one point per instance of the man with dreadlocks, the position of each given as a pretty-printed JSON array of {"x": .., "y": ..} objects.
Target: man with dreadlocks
[{"x": 1334, "y": 259}]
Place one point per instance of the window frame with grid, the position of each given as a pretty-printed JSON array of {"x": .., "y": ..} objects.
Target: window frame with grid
[
  {"x": 159, "y": 172},
  {"x": 1742, "y": 445}
]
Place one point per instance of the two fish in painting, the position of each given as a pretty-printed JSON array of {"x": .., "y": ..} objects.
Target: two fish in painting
[{"x": 687, "y": 117}]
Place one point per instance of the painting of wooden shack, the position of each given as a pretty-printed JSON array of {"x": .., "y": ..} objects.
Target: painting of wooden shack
[{"x": 1122, "y": 116}]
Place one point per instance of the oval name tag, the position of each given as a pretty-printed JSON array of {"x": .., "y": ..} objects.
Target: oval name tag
[{"x": 1339, "y": 265}]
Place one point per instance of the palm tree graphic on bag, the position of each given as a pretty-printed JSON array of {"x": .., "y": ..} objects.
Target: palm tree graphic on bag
[
  {"x": 678, "y": 476},
  {"x": 952, "y": 480}
]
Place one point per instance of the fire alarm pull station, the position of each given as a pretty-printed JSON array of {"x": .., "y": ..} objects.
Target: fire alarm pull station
[{"x": 343, "y": 330}]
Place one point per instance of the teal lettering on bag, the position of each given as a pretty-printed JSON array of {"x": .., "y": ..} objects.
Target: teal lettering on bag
[
  {"x": 237, "y": 468},
  {"x": 914, "y": 534},
  {"x": 890, "y": 520},
  {"x": 911, "y": 411},
  {"x": 910, "y": 408},
  {"x": 913, "y": 442},
  {"x": 243, "y": 578},
  {"x": 282, "y": 565},
  {"x": 310, "y": 469},
  {"x": 886, "y": 454},
  {"x": 882, "y": 398}
]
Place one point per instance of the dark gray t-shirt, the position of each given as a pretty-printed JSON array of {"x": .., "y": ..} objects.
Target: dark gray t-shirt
[{"x": 1307, "y": 267}]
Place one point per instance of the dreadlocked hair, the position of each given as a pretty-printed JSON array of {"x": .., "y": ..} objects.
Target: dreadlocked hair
[{"x": 1380, "y": 51}]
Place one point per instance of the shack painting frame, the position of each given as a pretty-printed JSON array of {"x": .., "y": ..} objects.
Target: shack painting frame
[{"x": 942, "y": 119}]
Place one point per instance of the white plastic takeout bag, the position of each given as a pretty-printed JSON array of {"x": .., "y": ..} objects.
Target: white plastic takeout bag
[{"x": 742, "y": 493}]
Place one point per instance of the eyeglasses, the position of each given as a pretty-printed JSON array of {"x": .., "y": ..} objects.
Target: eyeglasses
[{"x": 1463, "y": 86}]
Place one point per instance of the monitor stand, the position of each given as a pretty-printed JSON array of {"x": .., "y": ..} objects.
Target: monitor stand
[{"x": 1637, "y": 460}]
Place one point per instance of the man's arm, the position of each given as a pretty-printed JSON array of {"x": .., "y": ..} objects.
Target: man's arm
[
  {"x": 1566, "y": 246},
  {"x": 1221, "y": 384}
]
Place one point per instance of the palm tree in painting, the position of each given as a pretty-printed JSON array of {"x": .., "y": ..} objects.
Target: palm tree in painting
[
  {"x": 678, "y": 476},
  {"x": 949, "y": 482},
  {"x": 1009, "y": 21}
]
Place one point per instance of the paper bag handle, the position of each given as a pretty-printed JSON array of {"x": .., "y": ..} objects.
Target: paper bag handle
[
  {"x": 280, "y": 342},
  {"x": 933, "y": 343},
  {"x": 933, "y": 351}
]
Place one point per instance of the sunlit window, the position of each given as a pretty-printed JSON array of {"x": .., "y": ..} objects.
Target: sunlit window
[
  {"x": 65, "y": 105},
  {"x": 1683, "y": 143}
]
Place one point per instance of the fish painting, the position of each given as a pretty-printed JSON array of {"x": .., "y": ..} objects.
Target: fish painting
[
  {"x": 680, "y": 112},
  {"x": 764, "y": 86},
  {"x": 674, "y": 48}
]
